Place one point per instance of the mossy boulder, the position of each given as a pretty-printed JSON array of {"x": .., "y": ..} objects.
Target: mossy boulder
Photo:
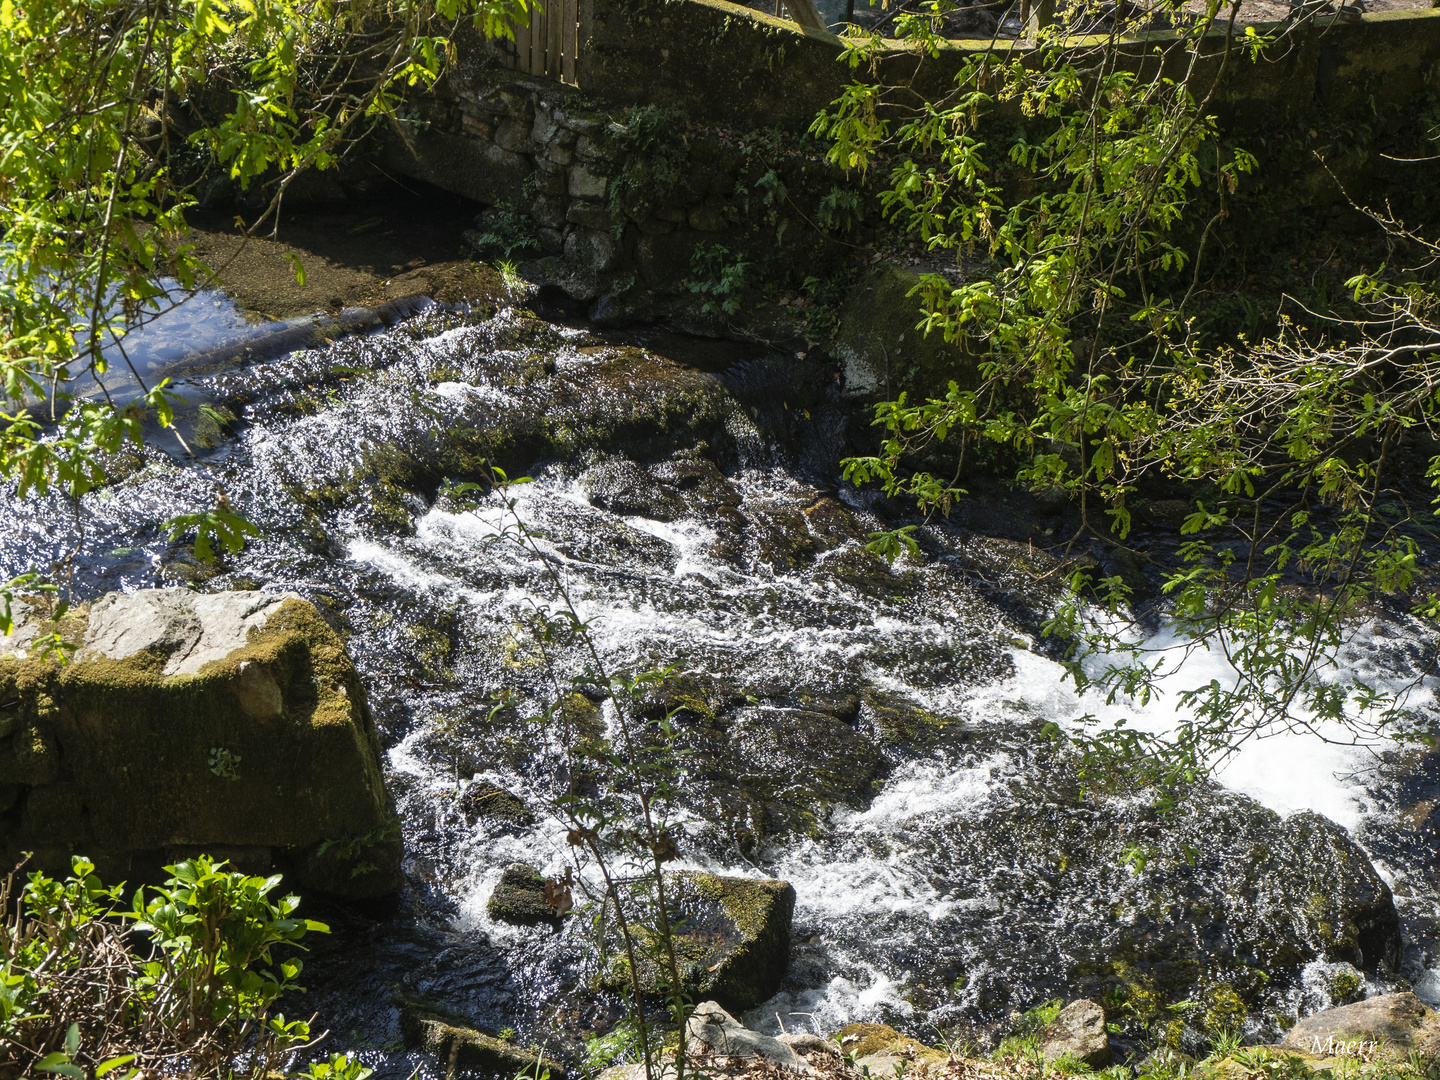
[
  {"x": 498, "y": 808},
  {"x": 460, "y": 1047},
  {"x": 1391, "y": 1025},
  {"x": 880, "y": 1048},
  {"x": 519, "y": 898},
  {"x": 1077, "y": 1034},
  {"x": 232, "y": 723},
  {"x": 734, "y": 939}
]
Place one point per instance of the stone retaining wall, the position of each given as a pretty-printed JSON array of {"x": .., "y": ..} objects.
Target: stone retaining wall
[
  {"x": 556, "y": 153},
  {"x": 617, "y": 219}
]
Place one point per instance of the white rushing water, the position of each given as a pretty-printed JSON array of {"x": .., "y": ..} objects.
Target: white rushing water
[{"x": 869, "y": 871}]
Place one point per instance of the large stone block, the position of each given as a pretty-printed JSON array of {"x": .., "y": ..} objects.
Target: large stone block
[
  {"x": 734, "y": 938},
  {"x": 591, "y": 249},
  {"x": 548, "y": 211},
  {"x": 1078, "y": 1033},
  {"x": 1393, "y": 1024},
  {"x": 882, "y": 348},
  {"x": 230, "y": 720},
  {"x": 585, "y": 184},
  {"x": 514, "y": 135}
]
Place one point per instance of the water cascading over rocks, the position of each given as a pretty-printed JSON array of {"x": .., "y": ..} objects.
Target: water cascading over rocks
[{"x": 873, "y": 734}]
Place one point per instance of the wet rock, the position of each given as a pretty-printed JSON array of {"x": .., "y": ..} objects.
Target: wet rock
[
  {"x": 519, "y": 898},
  {"x": 461, "y": 1047},
  {"x": 484, "y": 801},
  {"x": 1078, "y": 1033},
  {"x": 781, "y": 540},
  {"x": 1357, "y": 922},
  {"x": 1169, "y": 513},
  {"x": 710, "y": 1029},
  {"x": 773, "y": 771},
  {"x": 1398, "y": 1022},
  {"x": 1129, "y": 567},
  {"x": 831, "y": 525},
  {"x": 734, "y": 938},
  {"x": 200, "y": 722},
  {"x": 623, "y": 488}
]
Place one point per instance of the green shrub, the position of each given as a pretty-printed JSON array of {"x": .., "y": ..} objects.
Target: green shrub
[{"x": 181, "y": 984}]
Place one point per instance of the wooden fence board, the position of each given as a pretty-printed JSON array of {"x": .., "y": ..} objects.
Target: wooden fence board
[
  {"x": 522, "y": 45},
  {"x": 568, "y": 42},
  {"x": 555, "y": 19},
  {"x": 548, "y": 42}
]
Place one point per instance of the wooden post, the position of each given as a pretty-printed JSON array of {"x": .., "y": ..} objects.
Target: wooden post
[
  {"x": 1043, "y": 16},
  {"x": 804, "y": 12},
  {"x": 583, "y": 33},
  {"x": 537, "y": 41},
  {"x": 555, "y": 36}
]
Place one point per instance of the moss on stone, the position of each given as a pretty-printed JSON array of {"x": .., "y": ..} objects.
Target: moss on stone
[
  {"x": 272, "y": 746},
  {"x": 871, "y": 1040},
  {"x": 460, "y": 1047},
  {"x": 519, "y": 898},
  {"x": 733, "y": 944},
  {"x": 883, "y": 351}
]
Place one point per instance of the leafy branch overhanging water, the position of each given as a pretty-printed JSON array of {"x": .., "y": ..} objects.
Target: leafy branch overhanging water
[{"x": 1072, "y": 292}]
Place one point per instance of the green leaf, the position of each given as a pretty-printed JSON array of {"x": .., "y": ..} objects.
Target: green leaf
[{"x": 298, "y": 267}]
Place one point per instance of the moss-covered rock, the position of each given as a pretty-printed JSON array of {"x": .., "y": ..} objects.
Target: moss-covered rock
[
  {"x": 879, "y": 1047},
  {"x": 881, "y": 348},
  {"x": 460, "y": 1047},
  {"x": 519, "y": 898},
  {"x": 734, "y": 939},
  {"x": 187, "y": 722},
  {"x": 484, "y": 801}
]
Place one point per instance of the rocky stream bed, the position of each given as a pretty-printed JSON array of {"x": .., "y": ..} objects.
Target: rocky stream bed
[{"x": 872, "y": 734}]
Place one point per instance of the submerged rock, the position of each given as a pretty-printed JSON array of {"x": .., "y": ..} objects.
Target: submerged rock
[
  {"x": 231, "y": 723},
  {"x": 1078, "y": 1032}
]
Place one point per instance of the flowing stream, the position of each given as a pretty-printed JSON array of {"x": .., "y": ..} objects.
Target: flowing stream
[{"x": 872, "y": 734}]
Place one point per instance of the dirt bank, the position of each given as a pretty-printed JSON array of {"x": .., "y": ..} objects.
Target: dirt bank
[{"x": 357, "y": 254}]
